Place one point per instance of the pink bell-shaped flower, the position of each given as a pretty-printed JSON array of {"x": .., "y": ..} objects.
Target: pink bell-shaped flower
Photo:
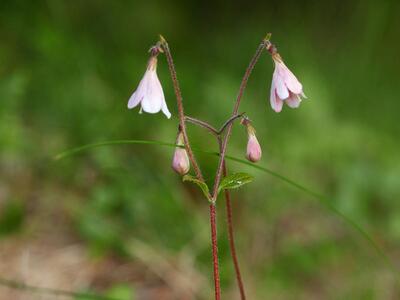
[
  {"x": 180, "y": 162},
  {"x": 285, "y": 87},
  {"x": 149, "y": 93}
]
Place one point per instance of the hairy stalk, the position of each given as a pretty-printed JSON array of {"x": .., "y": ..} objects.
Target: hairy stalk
[
  {"x": 229, "y": 121},
  {"x": 181, "y": 113},
  {"x": 243, "y": 85},
  {"x": 213, "y": 224},
  {"x": 209, "y": 127},
  {"x": 232, "y": 246},
  {"x": 231, "y": 236},
  {"x": 202, "y": 124}
]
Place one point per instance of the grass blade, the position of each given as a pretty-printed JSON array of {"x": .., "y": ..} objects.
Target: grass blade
[{"x": 321, "y": 198}]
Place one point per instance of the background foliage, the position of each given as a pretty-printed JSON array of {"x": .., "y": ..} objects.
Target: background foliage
[{"x": 118, "y": 221}]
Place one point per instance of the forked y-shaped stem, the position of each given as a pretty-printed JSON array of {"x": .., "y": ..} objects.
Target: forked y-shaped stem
[
  {"x": 221, "y": 170},
  {"x": 210, "y": 128},
  {"x": 203, "y": 124},
  {"x": 243, "y": 85}
]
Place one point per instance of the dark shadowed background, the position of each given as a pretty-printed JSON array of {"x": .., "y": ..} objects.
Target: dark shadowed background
[{"x": 117, "y": 221}]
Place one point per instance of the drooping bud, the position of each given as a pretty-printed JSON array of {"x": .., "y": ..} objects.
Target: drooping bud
[
  {"x": 253, "y": 149},
  {"x": 254, "y": 152},
  {"x": 180, "y": 162}
]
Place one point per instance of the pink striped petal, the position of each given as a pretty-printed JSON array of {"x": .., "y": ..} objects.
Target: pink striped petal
[
  {"x": 292, "y": 83},
  {"x": 280, "y": 86}
]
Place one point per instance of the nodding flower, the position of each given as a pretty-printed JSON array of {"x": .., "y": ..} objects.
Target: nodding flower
[
  {"x": 285, "y": 86},
  {"x": 253, "y": 152},
  {"x": 180, "y": 162},
  {"x": 149, "y": 93}
]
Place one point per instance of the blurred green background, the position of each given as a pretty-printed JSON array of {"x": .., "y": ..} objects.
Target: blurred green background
[{"x": 118, "y": 221}]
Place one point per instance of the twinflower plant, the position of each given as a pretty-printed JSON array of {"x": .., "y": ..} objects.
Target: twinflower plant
[{"x": 149, "y": 94}]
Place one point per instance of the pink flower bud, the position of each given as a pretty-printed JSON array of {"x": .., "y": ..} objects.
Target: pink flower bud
[
  {"x": 180, "y": 162},
  {"x": 253, "y": 149}
]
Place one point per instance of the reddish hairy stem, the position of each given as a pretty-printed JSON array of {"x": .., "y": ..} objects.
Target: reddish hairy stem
[
  {"x": 213, "y": 223},
  {"x": 203, "y": 124},
  {"x": 232, "y": 246},
  {"x": 181, "y": 113},
  {"x": 209, "y": 127},
  {"x": 229, "y": 121}
]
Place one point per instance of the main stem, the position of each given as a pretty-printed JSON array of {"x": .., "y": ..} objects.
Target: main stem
[{"x": 213, "y": 223}]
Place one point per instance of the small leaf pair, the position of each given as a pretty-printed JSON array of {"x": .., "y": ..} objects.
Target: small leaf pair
[{"x": 232, "y": 181}]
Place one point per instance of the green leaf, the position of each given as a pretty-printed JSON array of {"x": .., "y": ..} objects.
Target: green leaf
[
  {"x": 201, "y": 184},
  {"x": 234, "y": 181}
]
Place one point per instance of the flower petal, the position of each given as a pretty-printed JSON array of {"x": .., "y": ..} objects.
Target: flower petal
[
  {"x": 279, "y": 83},
  {"x": 133, "y": 100},
  {"x": 276, "y": 103},
  {"x": 154, "y": 96},
  {"x": 137, "y": 96},
  {"x": 293, "y": 101},
  {"x": 292, "y": 83},
  {"x": 165, "y": 110}
]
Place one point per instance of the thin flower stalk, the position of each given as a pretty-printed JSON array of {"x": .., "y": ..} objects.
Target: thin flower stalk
[{"x": 181, "y": 113}]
